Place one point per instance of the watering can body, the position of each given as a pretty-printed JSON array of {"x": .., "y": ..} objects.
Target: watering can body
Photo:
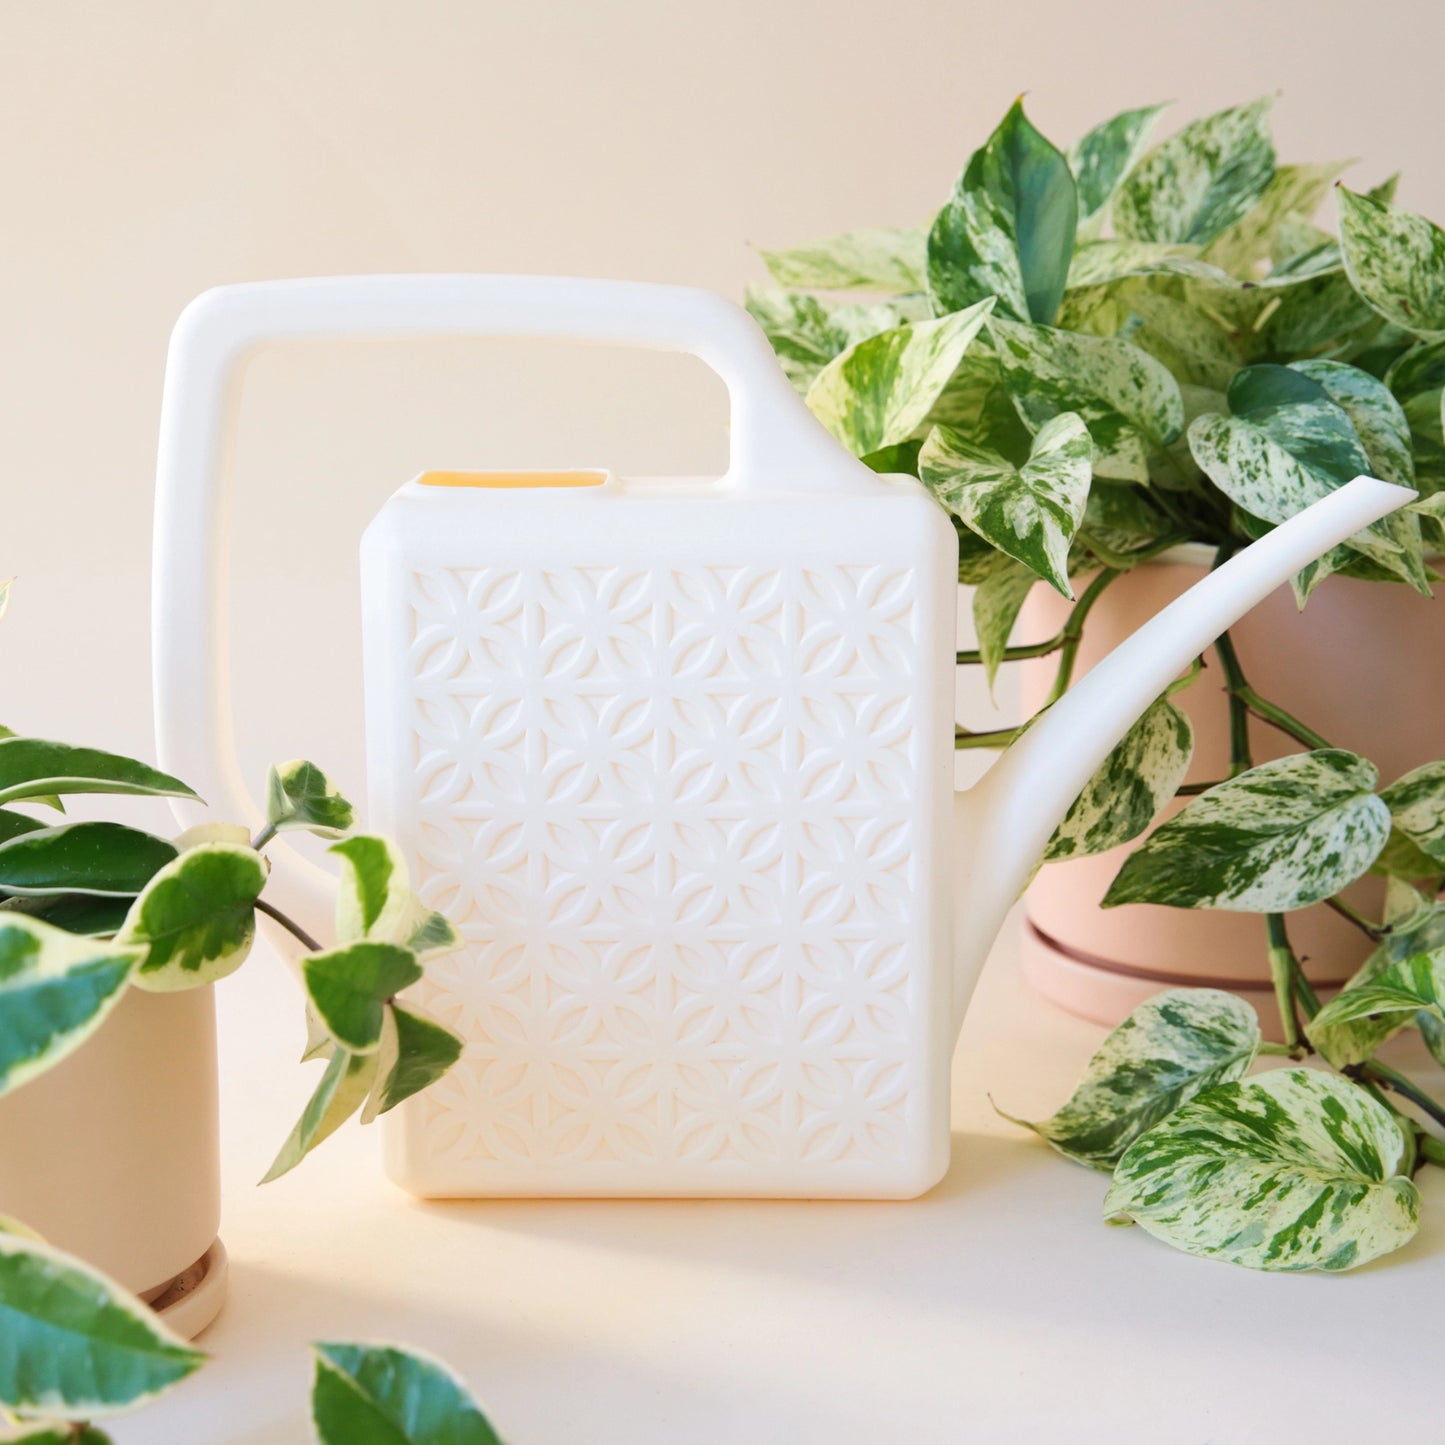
[{"x": 674, "y": 755}]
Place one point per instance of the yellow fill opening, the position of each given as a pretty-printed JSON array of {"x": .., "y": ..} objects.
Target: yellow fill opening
[{"x": 513, "y": 479}]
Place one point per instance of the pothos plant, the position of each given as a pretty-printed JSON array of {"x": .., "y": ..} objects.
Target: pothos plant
[
  {"x": 90, "y": 909},
  {"x": 1090, "y": 357}
]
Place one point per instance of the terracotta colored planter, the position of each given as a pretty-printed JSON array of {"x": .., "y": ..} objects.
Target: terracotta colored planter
[
  {"x": 113, "y": 1154},
  {"x": 1364, "y": 665}
]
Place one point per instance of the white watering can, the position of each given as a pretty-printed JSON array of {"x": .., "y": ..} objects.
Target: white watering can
[{"x": 676, "y": 755}]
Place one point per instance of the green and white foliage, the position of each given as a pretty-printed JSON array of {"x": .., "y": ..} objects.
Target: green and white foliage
[
  {"x": 1136, "y": 780},
  {"x": 1281, "y": 836},
  {"x": 889, "y": 261},
  {"x": 375, "y": 901},
  {"x": 55, "y": 991},
  {"x": 1103, "y": 157},
  {"x": 879, "y": 392},
  {"x": 383, "y": 1395},
  {"x": 1396, "y": 261},
  {"x": 74, "y": 1346},
  {"x": 1170, "y": 1048},
  {"x": 1129, "y": 402},
  {"x": 349, "y": 988},
  {"x": 1369, "y": 1010},
  {"x": 344, "y": 1085},
  {"x": 807, "y": 332},
  {"x": 1417, "y": 808},
  {"x": 415, "y": 1052},
  {"x": 1377, "y": 417},
  {"x": 196, "y": 918},
  {"x": 1293, "y": 195},
  {"x": 32, "y": 769},
  {"x": 1417, "y": 381},
  {"x": 1030, "y": 512},
  {"x": 997, "y": 601},
  {"x": 1293, "y": 1170},
  {"x": 1008, "y": 230},
  {"x": 300, "y": 795},
  {"x": 1201, "y": 180}
]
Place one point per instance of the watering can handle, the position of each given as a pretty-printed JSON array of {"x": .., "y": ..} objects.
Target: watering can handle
[{"x": 776, "y": 444}]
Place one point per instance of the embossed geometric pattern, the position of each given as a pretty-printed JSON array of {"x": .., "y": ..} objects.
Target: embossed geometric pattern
[{"x": 673, "y": 815}]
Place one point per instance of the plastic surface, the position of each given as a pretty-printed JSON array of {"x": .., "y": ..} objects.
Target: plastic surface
[{"x": 676, "y": 756}]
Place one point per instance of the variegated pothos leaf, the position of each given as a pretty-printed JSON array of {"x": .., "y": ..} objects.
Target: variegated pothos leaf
[
  {"x": 1417, "y": 804},
  {"x": 1105, "y": 155},
  {"x": 879, "y": 392},
  {"x": 1171, "y": 1047},
  {"x": 1030, "y": 512},
  {"x": 1283, "y": 835},
  {"x": 1295, "y": 1169},
  {"x": 1131, "y": 787},
  {"x": 807, "y": 332},
  {"x": 997, "y": 602},
  {"x": 1130, "y": 403},
  {"x": 1352, "y": 1025},
  {"x": 1396, "y": 261},
  {"x": 1293, "y": 192},
  {"x": 1201, "y": 180},
  {"x": 878, "y": 260}
]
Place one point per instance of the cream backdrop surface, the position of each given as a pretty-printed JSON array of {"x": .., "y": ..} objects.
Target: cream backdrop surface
[{"x": 154, "y": 149}]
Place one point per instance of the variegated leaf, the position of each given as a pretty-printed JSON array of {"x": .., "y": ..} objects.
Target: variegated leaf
[
  {"x": 997, "y": 601},
  {"x": 1353, "y": 1024},
  {"x": 1396, "y": 261},
  {"x": 342, "y": 1090},
  {"x": 1198, "y": 348},
  {"x": 1417, "y": 805},
  {"x": 1100, "y": 263},
  {"x": 1107, "y": 154},
  {"x": 1201, "y": 180},
  {"x": 1029, "y": 512},
  {"x": 415, "y": 1052},
  {"x": 876, "y": 260},
  {"x": 1378, "y": 419},
  {"x": 55, "y": 991},
  {"x": 1293, "y": 191},
  {"x": 1008, "y": 229},
  {"x": 1131, "y": 787},
  {"x": 879, "y": 392},
  {"x": 1171, "y": 1047},
  {"x": 1295, "y": 1169},
  {"x": 807, "y": 332},
  {"x": 300, "y": 795},
  {"x": 1417, "y": 382},
  {"x": 76, "y": 1346},
  {"x": 1283, "y": 835},
  {"x": 1128, "y": 401},
  {"x": 349, "y": 987}
]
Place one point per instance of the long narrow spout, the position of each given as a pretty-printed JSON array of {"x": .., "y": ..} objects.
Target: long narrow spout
[{"x": 1003, "y": 823}]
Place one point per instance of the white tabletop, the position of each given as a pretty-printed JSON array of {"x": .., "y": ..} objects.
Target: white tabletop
[{"x": 996, "y": 1309}]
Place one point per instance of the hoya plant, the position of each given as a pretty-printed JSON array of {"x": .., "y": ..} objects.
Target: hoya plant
[{"x": 1092, "y": 356}]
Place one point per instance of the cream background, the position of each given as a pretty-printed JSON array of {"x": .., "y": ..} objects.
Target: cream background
[{"x": 152, "y": 148}]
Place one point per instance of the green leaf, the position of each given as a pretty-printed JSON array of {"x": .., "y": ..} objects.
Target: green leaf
[
  {"x": 300, "y": 795},
  {"x": 87, "y": 915},
  {"x": 1295, "y": 1169},
  {"x": 1107, "y": 154},
  {"x": 33, "y": 768},
  {"x": 1031, "y": 512},
  {"x": 1396, "y": 261},
  {"x": 855, "y": 261},
  {"x": 13, "y": 824},
  {"x": 1102, "y": 263},
  {"x": 415, "y": 1052},
  {"x": 349, "y": 987},
  {"x": 197, "y": 917},
  {"x": 374, "y": 899},
  {"x": 382, "y": 1395},
  {"x": 1293, "y": 192},
  {"x": 432, "y": 935},
  {"x": 55, "y": 991},
  {"x": 1129, "y": 402},
  {"x": 1200, "y": 181},
  {"x": 61, "y": 1435},
  {"x": 1128, "y": 792},
  {"x": 105, "y": 859},
  {"x": 341, "y": 1091},
  {"x": 1171, "y": 1047},
  {"x": 76, "y": 1345},
  {"x": 1008, "y": 229},
  {"x": 1417, "y": 805},
  {"x": 879, "y": 392},
  {"x": 1352, "y": 1025},
  {"x": 1378, "y": 420},
  {"x": 807, "y": 333},
  {"x": 1283, "y": 835},
  {"x": 1417, "y": 381},
  {"x": 997, "y": 601}
]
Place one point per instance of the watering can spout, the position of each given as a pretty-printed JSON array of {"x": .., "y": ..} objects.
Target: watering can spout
[{"x": 1003, "y": 823}]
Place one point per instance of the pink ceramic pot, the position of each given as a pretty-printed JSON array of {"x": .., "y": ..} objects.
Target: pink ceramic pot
[
  {"x": 113, "y": 1154},
  {"x": 1364, "y": 665}
]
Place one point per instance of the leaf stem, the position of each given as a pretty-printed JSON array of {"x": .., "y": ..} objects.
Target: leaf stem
[
  {"x": 1073, "y": 633},
  {"x": 1277, "y": 717},
  {"x": 997, "y": 738},
  {"x": 1374, "y": 931},
  {"x": 1383, "y": 1074},
  {"x": 1016, "y": 654},
  {"x": 289, "y": 924},
  {"x": 1283, "y": 967},
  {"x": 1240, "y": 757},
  {"x": 1432, "y": 1150},
  {"x": 263, "y": 837}
]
